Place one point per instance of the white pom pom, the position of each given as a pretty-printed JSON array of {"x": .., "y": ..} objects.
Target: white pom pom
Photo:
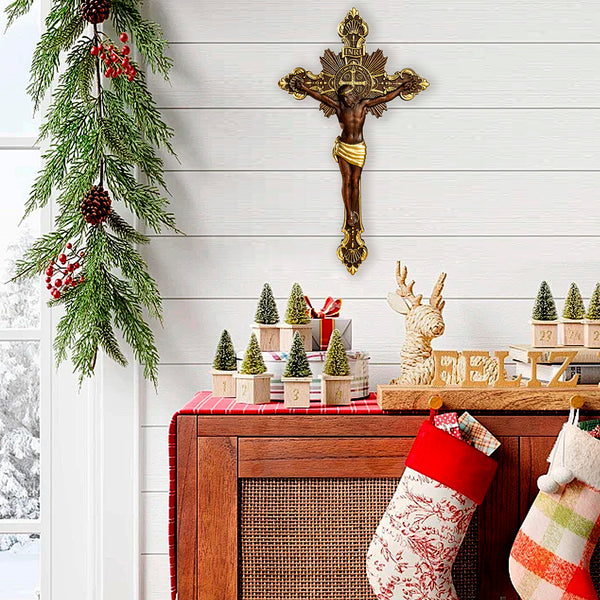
[
  {"x": 547, "y": 484},
  {"x": 562, "y": 475}
]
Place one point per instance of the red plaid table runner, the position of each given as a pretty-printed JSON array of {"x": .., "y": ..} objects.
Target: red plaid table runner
[{"x": 204, "y": 403}]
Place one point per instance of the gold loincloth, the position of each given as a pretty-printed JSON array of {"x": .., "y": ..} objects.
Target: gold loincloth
[{"x": 354, "y": 154}]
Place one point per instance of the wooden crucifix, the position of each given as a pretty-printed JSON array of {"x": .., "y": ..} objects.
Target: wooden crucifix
[{"x": 351, "y": 84}]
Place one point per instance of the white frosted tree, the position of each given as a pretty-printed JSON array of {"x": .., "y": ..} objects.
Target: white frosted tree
[{"x": 19, "y": 399}]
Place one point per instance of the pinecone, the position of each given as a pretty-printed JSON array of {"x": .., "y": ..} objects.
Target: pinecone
[
  {"x": 95, "y": 207},
  {"x": 95, "y": 11}
]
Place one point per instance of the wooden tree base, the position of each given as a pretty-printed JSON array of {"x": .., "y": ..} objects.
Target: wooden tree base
[
  {"x": 223, "y": 383},
  {"x": 544, "y": 334},
  {"x": 591, "y": 334},
  {"x": 571, "y": 333},
  {"x": 395, "y": 397},
  {"x": 296, "y": 392},
  {"x": 268, "y": 337},
  {"x": 335, "y": 390},
  {"x": 253, "y": 389}
]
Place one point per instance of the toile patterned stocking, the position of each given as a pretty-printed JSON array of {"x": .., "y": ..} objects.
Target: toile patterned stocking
[{"x": 413, "y": 550}]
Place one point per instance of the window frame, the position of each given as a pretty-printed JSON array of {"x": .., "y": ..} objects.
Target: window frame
[{"x": 41, "y": 335}]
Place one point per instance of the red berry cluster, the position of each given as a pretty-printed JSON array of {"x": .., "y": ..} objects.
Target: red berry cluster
[
  {"x": 66, "y": 270},
  {"x": 116, "y": 61}
]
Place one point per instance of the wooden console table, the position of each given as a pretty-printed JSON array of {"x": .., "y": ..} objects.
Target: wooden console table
[{"x": 319, "y": 463}]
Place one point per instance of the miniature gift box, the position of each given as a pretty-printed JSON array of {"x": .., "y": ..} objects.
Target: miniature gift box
[
  {"x": 591, "y": 333},
  {"x": 335, "y": 390},
  {"x": 296, "y": 392},
  {"x": 571, "y": 332},
  {"x": 324, "y": 321},
  {"x": 223, "y": 383},
  {"x": 286, "y": 336},
  {"x": 323, "y": 328},
  {"x": 268, "y": 337},
  {"x": 357, "y": 360},
  {"x": 253, "y": 389},
  {"x": 544, "y": 334}
]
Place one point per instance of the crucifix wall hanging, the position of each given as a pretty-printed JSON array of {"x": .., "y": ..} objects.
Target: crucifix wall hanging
[{"x": 352, "y": 84}]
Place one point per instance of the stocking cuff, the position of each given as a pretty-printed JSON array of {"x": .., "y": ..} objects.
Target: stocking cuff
[
  {"x": 581, "y": 455},
  {"x": 452, "y": 462}
]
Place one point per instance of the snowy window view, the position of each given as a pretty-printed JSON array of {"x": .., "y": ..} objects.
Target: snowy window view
[
  {"x": 20, "y": 567},
  {"x": 19, "y": 330}
]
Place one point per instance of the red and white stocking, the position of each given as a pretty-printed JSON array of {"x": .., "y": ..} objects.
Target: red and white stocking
[{"x": 418, "y": 538}]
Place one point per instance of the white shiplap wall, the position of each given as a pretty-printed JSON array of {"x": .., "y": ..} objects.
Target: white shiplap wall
[{"x": 491, "y": 174}]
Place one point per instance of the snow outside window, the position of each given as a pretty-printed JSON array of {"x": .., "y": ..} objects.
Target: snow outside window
[{"x": 20, "y": 330}]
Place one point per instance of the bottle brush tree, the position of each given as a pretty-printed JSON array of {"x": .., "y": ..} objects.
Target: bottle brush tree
[
  {"x": 574, "y": 307},
  {"x": 544, "y": 308},
  {"x": 297, "y": 364},
  {"x": 266, "y": 311},
  {"x": 593, "y": 311},
  {"x": 336, "y": 360},
  {"x": 253, "y": 363},
  {"x": 225, "y": 359},
  {"x": 297, "y": 311}
]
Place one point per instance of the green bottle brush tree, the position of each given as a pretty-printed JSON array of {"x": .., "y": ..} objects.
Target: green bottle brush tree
[
  {"x": 574, "y": 307},
  {"x": 336, "y": 382},
  {"x": 225, "y": 359},
  {"x": 266, "y": 311},
  {"x": 253, "y": 363},
  {"x": 297, "y": 363},
  {"x": 296, "y": 312},
  {"x": 593, "y": 311},
  {"x": 591, "y": 326},
  {"x": 544, "y": 308},
  {"x": 336, "y": 359}
]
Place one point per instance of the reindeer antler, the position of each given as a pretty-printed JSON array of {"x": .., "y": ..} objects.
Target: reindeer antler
[
  {"x": 404, "y": 290},
  {"x": 436, "y": 296}
]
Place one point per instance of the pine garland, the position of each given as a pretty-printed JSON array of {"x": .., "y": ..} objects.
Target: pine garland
[{"x": 99, "y": 130}]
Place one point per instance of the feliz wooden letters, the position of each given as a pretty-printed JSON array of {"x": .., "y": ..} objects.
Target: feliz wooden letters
[{"x": 351, "y": 84}]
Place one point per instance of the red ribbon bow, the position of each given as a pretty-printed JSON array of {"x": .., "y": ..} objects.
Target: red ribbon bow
[{"x": 331, "y": 308}]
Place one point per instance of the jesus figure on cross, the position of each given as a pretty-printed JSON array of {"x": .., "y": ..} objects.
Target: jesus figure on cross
[{"x": 350, "y": 150}]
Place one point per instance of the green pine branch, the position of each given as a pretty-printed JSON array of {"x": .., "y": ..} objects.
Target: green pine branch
[
  {"x": 17, "y": 9},
  {"x": 99, "y": 131},
  {"x": 64, "y": 25},
  {"x": 147, "y": 35}
]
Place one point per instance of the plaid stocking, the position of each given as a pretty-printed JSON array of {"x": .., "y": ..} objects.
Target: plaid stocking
[
  {"x": 414, "y": 547},
  {"x": 551, "y": 554}
]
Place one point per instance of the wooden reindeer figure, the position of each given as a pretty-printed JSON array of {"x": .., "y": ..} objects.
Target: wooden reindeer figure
[{"x": 423, "y": 324}]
